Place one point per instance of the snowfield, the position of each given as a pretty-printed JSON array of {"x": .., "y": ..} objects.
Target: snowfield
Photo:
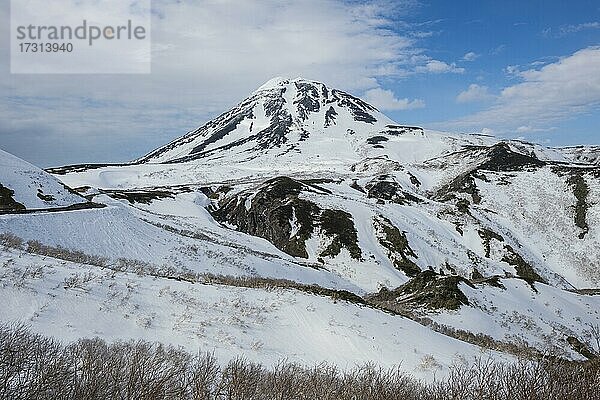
[
  {"x": 69, "y": 301},
  {"x": 122, "y": 232}
]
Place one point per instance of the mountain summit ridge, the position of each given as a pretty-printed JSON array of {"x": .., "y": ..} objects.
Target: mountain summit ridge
[{"x": 306, "y": 122}]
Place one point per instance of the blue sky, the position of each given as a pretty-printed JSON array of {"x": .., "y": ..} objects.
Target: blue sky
[
  {"x": 501, "y": 37},
  {"x": 527, "y": 69}
]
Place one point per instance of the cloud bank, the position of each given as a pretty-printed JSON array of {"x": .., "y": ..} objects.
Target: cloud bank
[
  {"x": 386, "y": 100},
  {"x": 474, "y": 93},
  {"x": 555, "y": 92}
]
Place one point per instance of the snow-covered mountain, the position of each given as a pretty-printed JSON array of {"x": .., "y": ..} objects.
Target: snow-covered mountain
[
  {"x": 583, "y": 154},
  {"x": 486, "y": 243},
  {"x": 282, "y": 117}
]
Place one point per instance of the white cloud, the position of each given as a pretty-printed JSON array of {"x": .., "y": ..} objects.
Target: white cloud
[
  {"x": 474, "y": 93},
  {"x": 525, "y": 129},
  {"x": 497, "y": 50},
  {"x": 555, "y": 92},
  {"x": 565, "y": 30},
  {"x": 422, "y": 34},
  {"x": 546, "y": 32},
  {"x": 386, "y": 100},
  {"x": 512, "y": 70},
  {"x": 531, "y": 129},
  {"x": 470, "y": 56},
  {"x": 439, "y": 67}
]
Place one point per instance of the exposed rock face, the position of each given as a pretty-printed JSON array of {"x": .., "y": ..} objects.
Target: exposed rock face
[
  {"x": 581, "y": 191},
  {"x": 7, "y": 203},
  {"x": 360, "y": 110},
  {"x": 307, "y": 100},
  {"x": 44, "y": 197},
  {"x": 523, "y": 268},
  {"x": 395, "y": 241},
  {"x": 487, "y": 236},
  {"x": 276, "y": 212},
  {"x": 377, "y": 139},
  {"x": 330, "y": 116},
  {"x": 428, "y": 290},
  {"x": 500, "y": 157},
  {"x": 398, "y": 130},
  {"x": 147, "y": 196},
  {"x": 339, "y": 226},
  {"x": 385, "y": 188}
]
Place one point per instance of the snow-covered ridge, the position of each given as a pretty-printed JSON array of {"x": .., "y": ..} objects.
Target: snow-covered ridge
[
  {"x": 309, "y": 119},
  {"x": 275, "y": 82},
  {"x": 582, "y": 154}
]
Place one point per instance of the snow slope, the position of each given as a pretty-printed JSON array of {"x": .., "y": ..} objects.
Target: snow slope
[
  {"x": 70, "y": 301},
  {"x": 32, "y": 187},
  {"x": 544, "y": 317},
  {"x": 119, "y": 231}
]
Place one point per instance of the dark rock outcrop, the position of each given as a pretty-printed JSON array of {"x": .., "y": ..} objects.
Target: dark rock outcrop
[
  {"x": 385, "y": 188},
  {"x": 428, "y": 290},
  {"x": 7, "y": 202},
  {"x": 395, "y": 241},
  {"x": 276, "y": 212}
]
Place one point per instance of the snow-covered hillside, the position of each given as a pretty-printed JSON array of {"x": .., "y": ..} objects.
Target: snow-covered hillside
[
  {"x": 71, "y": 300},
  {"x": 24, "y": 186},
  {"x": 438, "y": 239}
]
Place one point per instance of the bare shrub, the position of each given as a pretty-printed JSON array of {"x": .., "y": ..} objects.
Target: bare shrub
[
  {"x": 9, "y": 240},
  {"x": 532, "y": 380},
  {"x": 203, "y": 376},
  {"x": 240, "y": 380},
  {"x": 78, "y": 281},
  {"x": 136, "y": 266},
  {"x": 32, "y": 366},
  {"x": 35, "y": 247},
  {"x": 257, "y": 282},
  {"x": 35, "y": 367}
]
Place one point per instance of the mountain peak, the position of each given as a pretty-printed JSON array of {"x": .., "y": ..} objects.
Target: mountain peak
[
  {"x": 287, "y": 116},
  {"x": 280, "y": 81}
]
